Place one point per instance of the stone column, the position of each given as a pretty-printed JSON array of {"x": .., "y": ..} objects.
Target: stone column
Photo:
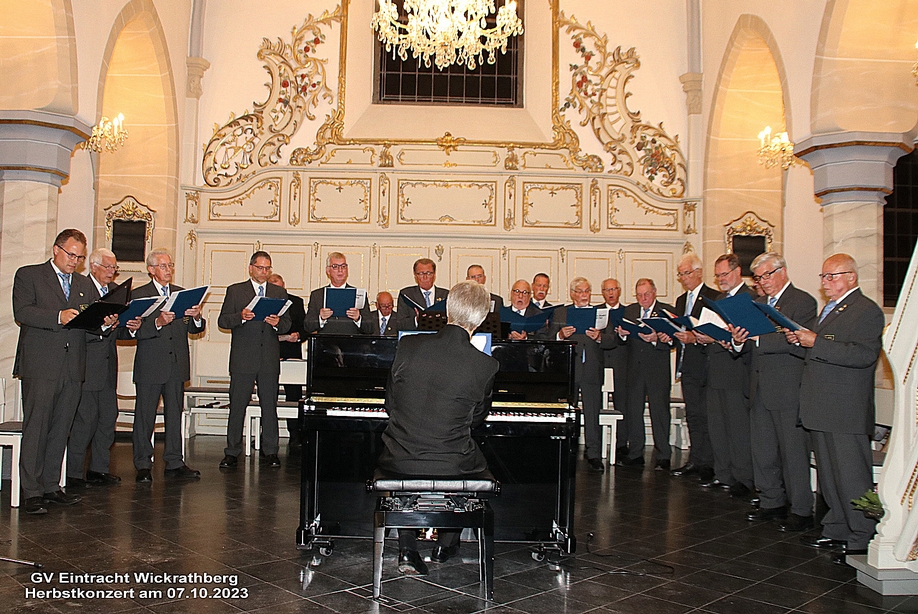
[
  {"x": 35, "y": 150},
  {"x": 852, "y": 175}
]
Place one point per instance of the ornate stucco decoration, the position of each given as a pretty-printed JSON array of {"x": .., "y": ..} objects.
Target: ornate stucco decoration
[
  {"x": 192, "y": 206},
  {"x": 628, "y": 211},
  {"x": 339, "y": 200},
  {"x": 689, "y": 211},
  {"x": 131, "y": 210},
  {"x": 260, "y": 202},
  {"x": 298, "y": 84},
  {"x": 639, "y": 150},
  {"x": 541, "y": 200},
  {"x": 749, "y": 225}
]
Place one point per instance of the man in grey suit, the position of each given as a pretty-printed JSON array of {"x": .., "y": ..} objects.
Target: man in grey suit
[
  {"x": 50, "y": 362},
  {"x": 385, "y": 320},
  {"x": 254, "y": 358},
  {"x": 692, "y": 365},
  {"x": 780, "y": 450},
  {"x": 320, "y": 319},
  {"x": 424, "y": 294},
  {"x": 650, "y": 378},
  {"x": 837, "y": 403},
  {"x": 588, "y": 365},
  {"x": 98, "y": 410},
  {"x": 616, "y": 358},
  {"x": 521, "y": 304},
  {"x": 161, "y": 367}
]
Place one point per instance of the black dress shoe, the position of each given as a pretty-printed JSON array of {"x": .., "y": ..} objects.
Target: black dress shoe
[
  {"x": 596, "y": 465},
  {"x": 795, "y": 523},
  {"x": 271, "y": 460},
  {"x": 764, "y": 514},
  {"x": 34, "y": 505},
  {"x": 440, "y": 553},
  {"x": 144, "y": 476},
  {"x": 94, "y": 477},
  {"x": 631, "y": 462},
  {"x": 662, "y": 465},
  {"x": 621, "y": 452},
  {"x": 229, "y": 462},
  {"x": 61, "y": 498},
  {"x": 410, "y": 563},
  {"x": 686, "y": 469},
  {"x": 740, "y": 490},
  {"x": 77, "y": 483},
  {"x": 182, "y": 472},
  {"x": 715, "y": 483},
  {"x": 839, "y": 558},
  {"x": 705, "y": 474},
  {"x": 820, "y": 541}
]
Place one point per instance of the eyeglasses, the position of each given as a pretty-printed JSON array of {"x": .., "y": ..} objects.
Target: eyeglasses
[
  {"x": 522, "y": 292},
  {"x": 425, "y": 274},
  {"x": 766, "y": 276},
  {"x": 338, "y": 267},
  {"x": 384, "y": 305},
  {"x": 833, "y": 276},
  {"x": 686, "y": 273},
  {"x": 165, "y": 266},
  {"x": 71, "y": 256},
  {"x": 727, "y": 274},
  {"x": 263, "y": 269},
  {"x": 112, "y": 268}
]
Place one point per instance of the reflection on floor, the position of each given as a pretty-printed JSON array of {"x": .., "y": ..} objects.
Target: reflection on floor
[{"x": 660, "y": 545}]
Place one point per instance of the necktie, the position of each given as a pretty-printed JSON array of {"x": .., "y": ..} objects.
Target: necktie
[
  {"x": 772, "y": 301},
  {"x": 646, "y": 313},
  {"x": 261, "y": 290},
  {"x": 65, "y": 283},
  {"x": 827, "y": 310},
  {"x": 165, "y": 290},
  {"x": 427, "y": 297},
  {"x": 382, "y": 325},
  {"x": 104, "y": 290},
  {"x": 689, "y": 303}
]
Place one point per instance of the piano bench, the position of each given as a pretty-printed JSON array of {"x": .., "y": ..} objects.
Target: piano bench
[{"x": 406, "y": 502}]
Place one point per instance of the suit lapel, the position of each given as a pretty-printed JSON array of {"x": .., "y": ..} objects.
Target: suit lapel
[
  {"x": 841, "y": 307},
  {"x": 54, "y": 283}
]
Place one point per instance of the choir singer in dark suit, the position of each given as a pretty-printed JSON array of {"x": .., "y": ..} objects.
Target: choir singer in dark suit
[
  {"x": 320, "y": 319},
  {"x": 254, "y": 359},
  {"x": 837, "y": 403},
  {"x": 385, "y": 320},
  {"x": 521, "y": 304},
  {"x": 439, "y": 389},
  {"x": 161, "y": 368},
  {"x": 424, "y": 294}
]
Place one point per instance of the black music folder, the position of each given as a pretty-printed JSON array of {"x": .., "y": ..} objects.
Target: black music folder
[{"x": 93, "y": 315}]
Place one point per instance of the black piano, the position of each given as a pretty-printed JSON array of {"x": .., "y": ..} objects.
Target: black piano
[{"x": 529, "y": 439}]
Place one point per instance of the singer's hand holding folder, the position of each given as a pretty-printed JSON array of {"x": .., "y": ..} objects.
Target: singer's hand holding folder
[
  {"x": 740, "y": 311},
  {"x": 339, "y": 300},
  {"x": 663, "y": 325},
  {"x": 582, "y": 318},
  {"x": 520, "y": 323},
  {"x": 181, "y": 301},
  {"x": 140, "y": 308},
  {"x": 93, "y": 315},
  {"x": 636, "y": 328},
  {"x": 263, "y": 306}
]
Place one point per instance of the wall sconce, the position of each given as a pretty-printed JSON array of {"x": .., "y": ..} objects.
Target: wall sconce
[
  {"x": 776, "y": 149},
  {"x": 915, "y": 67},
  {"x": 109, "y": 135}
]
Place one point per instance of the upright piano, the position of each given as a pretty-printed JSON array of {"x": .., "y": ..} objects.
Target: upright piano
[{"x": 529, "y": 439}]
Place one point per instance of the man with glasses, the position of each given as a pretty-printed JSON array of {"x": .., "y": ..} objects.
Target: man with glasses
[
  {"x": 727, "y": 395},
  {"x": 322, "y": 320},
  {"x": 254, "y": 359},
  {"x": 424, "y": 294},
  {"x": 385, "y": 322},
  {"x": 780, "y": 450},
  {"x": 50, "y": 362},
  {"x": 521, "y": 304},
  {"x": 98, "y": 410},
  {"x": 541, "y": 283},
  {"x": 842, "y": 347},
  {"x": 161, "y": 368},
  {"x": 616, "y": 358},
  {"x": 692, "y": 364}
]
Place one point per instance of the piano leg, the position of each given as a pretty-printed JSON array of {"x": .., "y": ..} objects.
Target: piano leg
[{"x": 308, "y": 533}]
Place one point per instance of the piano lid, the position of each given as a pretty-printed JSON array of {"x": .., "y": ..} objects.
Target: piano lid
[{"x": 358, "y": 367}]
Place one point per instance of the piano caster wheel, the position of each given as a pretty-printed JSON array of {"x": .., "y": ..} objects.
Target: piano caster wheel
[
  {"x": 538, "y": 556},
  {"x": 326, "y": 550}
]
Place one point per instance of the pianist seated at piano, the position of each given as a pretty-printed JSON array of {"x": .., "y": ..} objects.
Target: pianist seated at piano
[{"x": 439, "y": 389}]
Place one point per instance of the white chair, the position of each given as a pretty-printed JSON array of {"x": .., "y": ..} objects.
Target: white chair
[{"x": 11, "y": 435}]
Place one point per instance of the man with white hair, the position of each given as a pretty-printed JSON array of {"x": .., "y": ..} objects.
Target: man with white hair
[
  {"x": 439, "y": 389},
  {"x": 98, "y": 409}
]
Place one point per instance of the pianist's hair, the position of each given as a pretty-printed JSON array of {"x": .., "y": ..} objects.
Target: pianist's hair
[
  {"x": 154, "y": 255},
  {"x": 467, "y": 305}
]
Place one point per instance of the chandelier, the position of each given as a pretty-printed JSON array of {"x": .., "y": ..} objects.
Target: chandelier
[
  {"x": 108, "y": 135},
  {"x": 452, "y": 31},
  {"x": 776, "y": 149}
]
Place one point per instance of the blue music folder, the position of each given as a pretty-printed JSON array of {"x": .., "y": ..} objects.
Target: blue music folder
[
  {"x": 714, "y": 331},
  {"x": 581, "y": 318},
  {"x": 265, "y": 307},
  {"x": 520, "y": 323},
  {"x": 663, "y": 325},
  {"x": 740, "y": 310},
  {"x": 183, "y": 300},
  {"x": 140, "y": 307},
  {"x": 635, "y": 327},
  {"x": 777, "y": 316},
  {"x": 339, "y": 300}
]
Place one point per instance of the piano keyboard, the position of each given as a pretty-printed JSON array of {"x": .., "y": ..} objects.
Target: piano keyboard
[{"x": 494, "y": 416}]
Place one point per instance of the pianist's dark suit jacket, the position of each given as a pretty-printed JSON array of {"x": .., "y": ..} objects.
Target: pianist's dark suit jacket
[{"x": 439, "y": 389}]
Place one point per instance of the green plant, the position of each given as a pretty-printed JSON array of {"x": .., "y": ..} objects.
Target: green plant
[{"x": 869, "y": 503}]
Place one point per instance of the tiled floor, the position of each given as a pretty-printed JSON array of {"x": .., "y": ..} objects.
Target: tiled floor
[{"x": 648, "y": 543}]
